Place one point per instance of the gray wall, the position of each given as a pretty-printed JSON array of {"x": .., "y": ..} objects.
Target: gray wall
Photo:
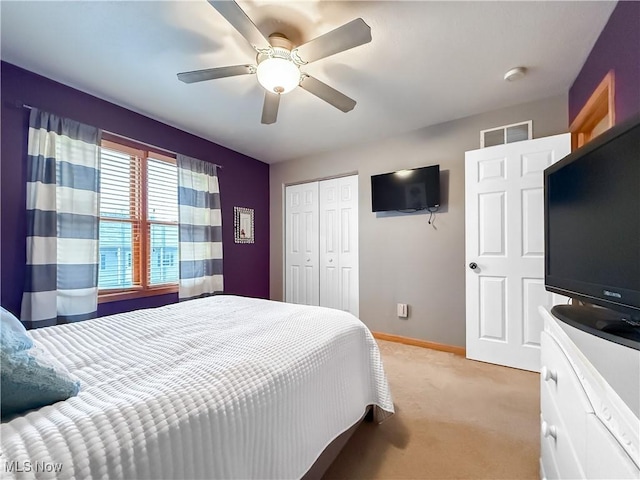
[{"x": 402, "y": 258}]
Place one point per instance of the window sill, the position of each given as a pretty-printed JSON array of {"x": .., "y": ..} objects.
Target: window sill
[{"x": 106, "y": 296}]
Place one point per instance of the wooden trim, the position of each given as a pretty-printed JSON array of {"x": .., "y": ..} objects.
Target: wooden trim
[
  {"x": 105, "y": 296},
  {"x": 420, "y": 343},
  {"x": 600, "y": 105},
  {"x": 145, "y": 240},
  {"x": 134, "y": 199},
  {"x": 117, "y": 147},
  {"x": 161, "y": 157},
  {"x": 135, "y": 144}
]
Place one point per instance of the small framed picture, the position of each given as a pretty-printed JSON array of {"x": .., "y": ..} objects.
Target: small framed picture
[{"x": 243, "y": 225}]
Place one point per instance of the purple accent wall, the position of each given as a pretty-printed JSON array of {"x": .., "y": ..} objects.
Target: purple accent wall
[
  {"x": 618, "y": 49},
  {"x": 244, "y": 182}
]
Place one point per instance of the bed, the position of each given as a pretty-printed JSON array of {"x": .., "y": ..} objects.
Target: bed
[{"x": 220, "y": 387}]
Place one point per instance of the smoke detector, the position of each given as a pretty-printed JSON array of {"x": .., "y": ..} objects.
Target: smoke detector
[{"x": 515, "y": 74}]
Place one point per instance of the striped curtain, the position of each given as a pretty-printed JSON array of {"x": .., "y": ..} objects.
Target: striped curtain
[
  {"x": 200, "y": 232},
  {"x": 61, "y": 284}
]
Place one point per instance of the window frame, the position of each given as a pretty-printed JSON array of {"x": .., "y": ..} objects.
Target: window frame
[
  {"x": 140, "y": 250},
  {"x": 599, "y": 109}
]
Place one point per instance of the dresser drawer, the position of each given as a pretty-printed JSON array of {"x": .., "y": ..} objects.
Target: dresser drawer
[
  {"x": 559, "y": 385},
  {"x": 605, "y": 457},
  {"x": 593, "y": 424},
  {"x": 559, "y": 456},
  {"x": 548, "y": 467}
]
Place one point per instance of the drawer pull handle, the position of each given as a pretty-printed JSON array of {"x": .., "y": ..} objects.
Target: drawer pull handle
[
  {"x": 549, "y": 430},
  {"x": 547, "y": 375}
]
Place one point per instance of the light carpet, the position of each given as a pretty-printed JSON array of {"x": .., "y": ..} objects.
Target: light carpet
[{"x": 455, "y": 418}]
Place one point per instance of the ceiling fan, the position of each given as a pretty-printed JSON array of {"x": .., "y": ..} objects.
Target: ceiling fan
[{"x": 279, "y": 61}]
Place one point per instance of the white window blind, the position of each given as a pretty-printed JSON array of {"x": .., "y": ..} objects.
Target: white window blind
[
  {"x": 117, "y": 219},
  {"x": 162, "y": 211}
]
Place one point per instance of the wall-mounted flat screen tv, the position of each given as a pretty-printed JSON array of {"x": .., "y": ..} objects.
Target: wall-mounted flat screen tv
[{"x": 415, "y": 189}]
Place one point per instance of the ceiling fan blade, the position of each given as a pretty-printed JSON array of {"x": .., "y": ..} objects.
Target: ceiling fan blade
[
  {"x": 327, "y": 93},
  {"x": 349, "y": 35},
  {"x": 213, "y": 73},
  {"x": 270, "y": 107},
  {"x": 239, "y": 20}
]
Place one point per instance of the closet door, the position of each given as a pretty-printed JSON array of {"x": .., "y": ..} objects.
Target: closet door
[
  {"x": 339, "y": 284},
  {"x": 301, "y": 244}
]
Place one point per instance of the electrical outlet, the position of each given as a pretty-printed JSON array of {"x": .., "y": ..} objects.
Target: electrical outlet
[{"x": 403, "y": 310}]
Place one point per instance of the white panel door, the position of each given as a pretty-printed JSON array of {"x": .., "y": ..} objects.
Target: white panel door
[
  {"x": 349, "y": 266},
  {"x": 329, "y": 244},
  {"x": 301, "y": 244},
  {"x": 505, "y": 250},
  {"x": 339, "y": 284}
]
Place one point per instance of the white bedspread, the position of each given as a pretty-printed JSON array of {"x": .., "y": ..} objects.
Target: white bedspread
[{"x": 222, "y": 387}]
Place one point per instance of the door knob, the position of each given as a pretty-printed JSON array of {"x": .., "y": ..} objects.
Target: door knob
[
  {"x": 473, "y": 265},
  {"x": 330, "y": 260},
  {"x": 308, "y": 259}
]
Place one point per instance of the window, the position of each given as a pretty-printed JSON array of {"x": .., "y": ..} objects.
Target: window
[
  {"x": 597, "y": 114},
  {"x": 138, "y": 221}
]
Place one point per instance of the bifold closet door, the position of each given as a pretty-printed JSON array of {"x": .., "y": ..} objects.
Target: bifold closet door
[
  {"x": 321, "y": 244},
  {"x": 301, "y": 244},
  {"x": 339, "y": 244}
]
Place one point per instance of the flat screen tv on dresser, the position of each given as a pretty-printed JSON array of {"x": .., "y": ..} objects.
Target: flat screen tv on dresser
[{"x": 592, "y": 234}]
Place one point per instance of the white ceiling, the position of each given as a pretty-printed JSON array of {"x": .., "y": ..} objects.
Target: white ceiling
[{"x": 428, "y": 62}]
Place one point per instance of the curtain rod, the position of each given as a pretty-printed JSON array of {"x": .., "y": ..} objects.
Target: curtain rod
[{"x": 24, "y": 105}]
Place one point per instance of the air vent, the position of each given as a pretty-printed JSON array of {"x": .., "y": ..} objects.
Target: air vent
[{"x": 506, "y": 134}]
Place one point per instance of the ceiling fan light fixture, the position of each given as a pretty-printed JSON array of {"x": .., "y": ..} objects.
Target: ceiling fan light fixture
[
  {"x": 278, "y": 75},
  {"x": 279, "y": 60}
]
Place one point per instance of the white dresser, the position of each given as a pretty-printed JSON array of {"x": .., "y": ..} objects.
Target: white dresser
[{"x": 590, "y": 405}]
